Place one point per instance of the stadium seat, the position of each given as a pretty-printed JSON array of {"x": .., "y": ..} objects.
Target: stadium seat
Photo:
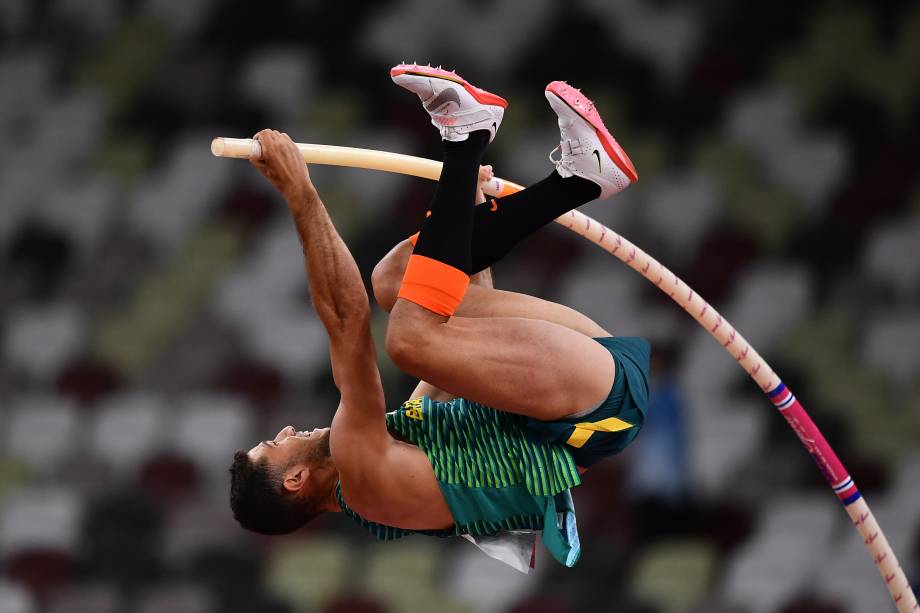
[
  {"x": 40, "y": 518},
  {"x": 127, "y": 428},
  {"x": 583, "y": 292},
  {"x": 179, "y": 598},
  {"x": 41, "y": 339},
  {"x": 674, "y": 576},
  {"x": 784, "y": 556},
  {"x": 892, "y": 345},
  {"x": 169, "y": 205},
  {"x": 680, "y": 209},
  {"x": 769, "y": 122},
  {"x": 208, "y": 429},
  {"x": 182, "y": 23},
  {"x": 307, "y": 573},
  {"x": 42, "y": 431},
  {"x": 404, "y": 574},
  {"x": 96, "y": 19},
  {"x": 197, "y": 524},
  {"x": 354, "y": 603},
  {"x": 84, "y": 597},
  {"x": 43, "y": 570},
  {"x": 890, "y": 255},
  {"x": 83, "y": 210},
  {"x": 768, "y": 301},
  {"x": 15, "y": 598},
  {"x": 288, "y": 72},
  {"x": 484, "y": 583},
  {"x": 725, "y": 434},
  {"x": 849, "y": 578},
  {"x": 70, "y": 128},
  {"x": 137, "y": 334}
]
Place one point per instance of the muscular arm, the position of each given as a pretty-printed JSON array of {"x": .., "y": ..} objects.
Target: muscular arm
[
  {"x": 382, "y": 479},
  {"x": 336, "y": 288}
]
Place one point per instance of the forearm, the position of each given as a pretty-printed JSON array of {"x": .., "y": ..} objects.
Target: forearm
[{"x": 336, "y": 286}]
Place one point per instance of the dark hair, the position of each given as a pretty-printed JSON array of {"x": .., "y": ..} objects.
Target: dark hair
[{"x": 258, "y": 499}]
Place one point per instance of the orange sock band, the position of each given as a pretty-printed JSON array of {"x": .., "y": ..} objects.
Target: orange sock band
[
  {"x": 414, "y": 239},
  {"x": 434, "y": 285}
]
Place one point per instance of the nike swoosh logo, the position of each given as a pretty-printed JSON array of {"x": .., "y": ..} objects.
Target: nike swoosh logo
[
  {"x": 448, "y": 95},
  {"x": 598, "y": 156}
]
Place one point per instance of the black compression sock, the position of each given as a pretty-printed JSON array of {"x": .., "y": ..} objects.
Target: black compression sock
[
  {"x": 446, "y": 235},
  {"x": 501, "y": 223}
]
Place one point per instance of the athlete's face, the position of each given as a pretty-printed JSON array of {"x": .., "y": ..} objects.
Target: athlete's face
[{"x": 291, "y": 448}]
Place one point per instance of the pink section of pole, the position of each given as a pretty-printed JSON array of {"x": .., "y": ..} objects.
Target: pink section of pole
[{"x": 748, "y": 358}]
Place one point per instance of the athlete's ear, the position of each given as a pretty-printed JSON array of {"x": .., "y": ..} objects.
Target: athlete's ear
[{"x": 296, "y": 478}]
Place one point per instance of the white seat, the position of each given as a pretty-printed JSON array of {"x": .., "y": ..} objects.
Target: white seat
[
  {"x": 849, "y": 578},
  {"x": 127, "y": 429},
  {"x": 208, "y": 429},
  {"x": 41, "y": 339},
  {"x": 179, "y": 598},
  {"x": 293, "y": 341},
  {"x": 97, "y": 18},
  {"x": 46, "y": 518},
  {"x": 486, "y": 584},
  {"x": 763, "y": 575},
  {"x": 271, "y": 278},
  {"x": 810, "y": 166},
  {"x": 724, "y": 436},
  {"x": 767, "y": 302},
  {"x": 24, "y": 86},
  {"x": 173, "y": 201},
  {"x": 81, "y": 210},
  {"x": 892, "y": 344},
  {"x": 42, "y": 431},
  {"x": 679, "y": 211},
  {"x": 16, "y": 599},
  {"x": 610, "y": 299},
  {"x": 505, "y": 31},
  {"x": 182, "y": 20},
  {"x": 70, "y": 128},
  {"x": 196, "y": 524},
  {"x": 665, "y": 35},
  {"x": 764, "y": 119},
  {"x": 784, "y": 555},
  {"x": 288, "y": 72},
  {"x": 85, "y": 597},
  {"x": 811, "y": 517},
  {"x": 769, "y": 122},
  {"x": 326, "y": 560},
  {"x": 891, "y": 255}
]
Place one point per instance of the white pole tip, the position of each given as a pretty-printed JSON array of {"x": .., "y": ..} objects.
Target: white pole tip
[{"x": 217, "y": 147}]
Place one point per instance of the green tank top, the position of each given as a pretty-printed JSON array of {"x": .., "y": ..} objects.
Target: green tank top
[{"x": 492, "y": 476}]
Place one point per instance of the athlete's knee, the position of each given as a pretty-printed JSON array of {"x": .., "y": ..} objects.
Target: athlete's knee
[
  {"x": 410, "y": 332},
  {"x": 388, "y": 273},
  {"x": 385, "y": 283}
]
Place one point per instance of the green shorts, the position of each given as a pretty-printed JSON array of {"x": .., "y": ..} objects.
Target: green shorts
[{"x": 609, "y": 428}]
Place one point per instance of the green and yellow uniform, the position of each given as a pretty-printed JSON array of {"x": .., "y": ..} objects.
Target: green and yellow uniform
[{"x": 504, "y": 472}]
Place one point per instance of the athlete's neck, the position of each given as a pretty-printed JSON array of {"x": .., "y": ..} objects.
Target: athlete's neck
[{"x": 330, "y": 503}]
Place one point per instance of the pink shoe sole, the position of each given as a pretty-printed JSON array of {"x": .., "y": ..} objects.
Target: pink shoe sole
[
  {"x": 480, "y": 95},
  {"x": 580, "y": 103}
]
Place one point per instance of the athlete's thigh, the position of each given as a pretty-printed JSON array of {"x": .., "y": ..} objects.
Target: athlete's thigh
[
  {"x": 527, "y": 366},
  {"x": 489, "y": 302}
]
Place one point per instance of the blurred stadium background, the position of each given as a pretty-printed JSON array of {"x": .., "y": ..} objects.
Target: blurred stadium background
[{"x": 155, "y": 316}]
